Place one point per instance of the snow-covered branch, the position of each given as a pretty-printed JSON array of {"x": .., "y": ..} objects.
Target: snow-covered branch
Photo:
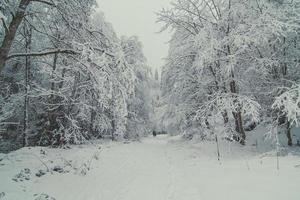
[{"x": 43, "y": 53}]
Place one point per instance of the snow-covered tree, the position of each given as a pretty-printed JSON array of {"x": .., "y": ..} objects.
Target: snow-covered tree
[
  {"x": 223, "y": 54},
  {"x": 67, "y": 76},
  {"x": 139, "y": 103},
  {"x": 287, "y": 106}
]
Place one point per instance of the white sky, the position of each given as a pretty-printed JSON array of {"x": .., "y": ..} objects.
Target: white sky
[{"x": 137, "y": 17}]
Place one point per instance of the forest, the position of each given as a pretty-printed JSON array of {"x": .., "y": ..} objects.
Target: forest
[
  {"x": 71, "y": 88},
  {"x": 237, "y": 66},
  {"x": 66, "y": 77}
]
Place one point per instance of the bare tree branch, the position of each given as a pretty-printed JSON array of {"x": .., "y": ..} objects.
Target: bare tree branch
[
  {"x": 43, "y": 53},
  {"x": 45, "y": 2}
]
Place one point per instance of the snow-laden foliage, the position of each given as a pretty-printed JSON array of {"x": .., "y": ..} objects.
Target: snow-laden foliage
[
  {"x": 67, "y": 76},
  {"x": 139, "y": 103},
  {"x": 289, "y": 105},
  {"x": 228, "y": 61}
]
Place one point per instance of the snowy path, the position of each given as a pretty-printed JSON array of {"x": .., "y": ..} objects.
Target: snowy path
[{"x": 157, "y": 169}]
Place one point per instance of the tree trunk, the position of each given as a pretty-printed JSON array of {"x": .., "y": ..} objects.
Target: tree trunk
[
  {"x": 10, "y": 32},
  {"x": 113, "y": 125},
  {"x": 237, "y": 114},
  {"x": 28, "y": 34},
  {"x": 289, "y": 134},
  {"x": 52, "y": 75},
  {"x": 207, "y": 124},
  {"x": 225, "y": 117},
  {"x": 93, "y": 115},
  {"x": 284, "y": 66},
  {"x": 61, "y": 84},
  {"x": 239, "y": 127},
  {"x": 92, "y": 121},
  {"x": 113, "y": 116},
  {"x": 52, "y": 112},
  {"x": 74, "y": 94}
]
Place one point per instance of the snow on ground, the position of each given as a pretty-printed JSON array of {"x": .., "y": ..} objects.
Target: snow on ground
[{"x": 162, "y": 168}]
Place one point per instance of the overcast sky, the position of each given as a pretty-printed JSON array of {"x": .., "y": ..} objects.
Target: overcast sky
[{"x": 137, "y": 17}]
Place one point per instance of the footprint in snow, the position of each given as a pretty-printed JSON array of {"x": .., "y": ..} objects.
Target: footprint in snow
[{"x": 43, "y": 197}]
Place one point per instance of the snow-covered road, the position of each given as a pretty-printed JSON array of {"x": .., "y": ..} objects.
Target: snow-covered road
[{"x": 154, "y": 169}]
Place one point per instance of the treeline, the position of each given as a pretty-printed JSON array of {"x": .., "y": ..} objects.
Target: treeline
[
  {"x": 66, "y": 77},
  {"x": 232, "y": 64}
]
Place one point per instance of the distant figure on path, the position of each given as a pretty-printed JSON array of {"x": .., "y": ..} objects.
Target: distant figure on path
[{"x": 154, "y": 133}]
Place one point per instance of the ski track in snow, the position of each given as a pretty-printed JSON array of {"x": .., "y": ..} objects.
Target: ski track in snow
[{"x": 159, "y": 169}]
